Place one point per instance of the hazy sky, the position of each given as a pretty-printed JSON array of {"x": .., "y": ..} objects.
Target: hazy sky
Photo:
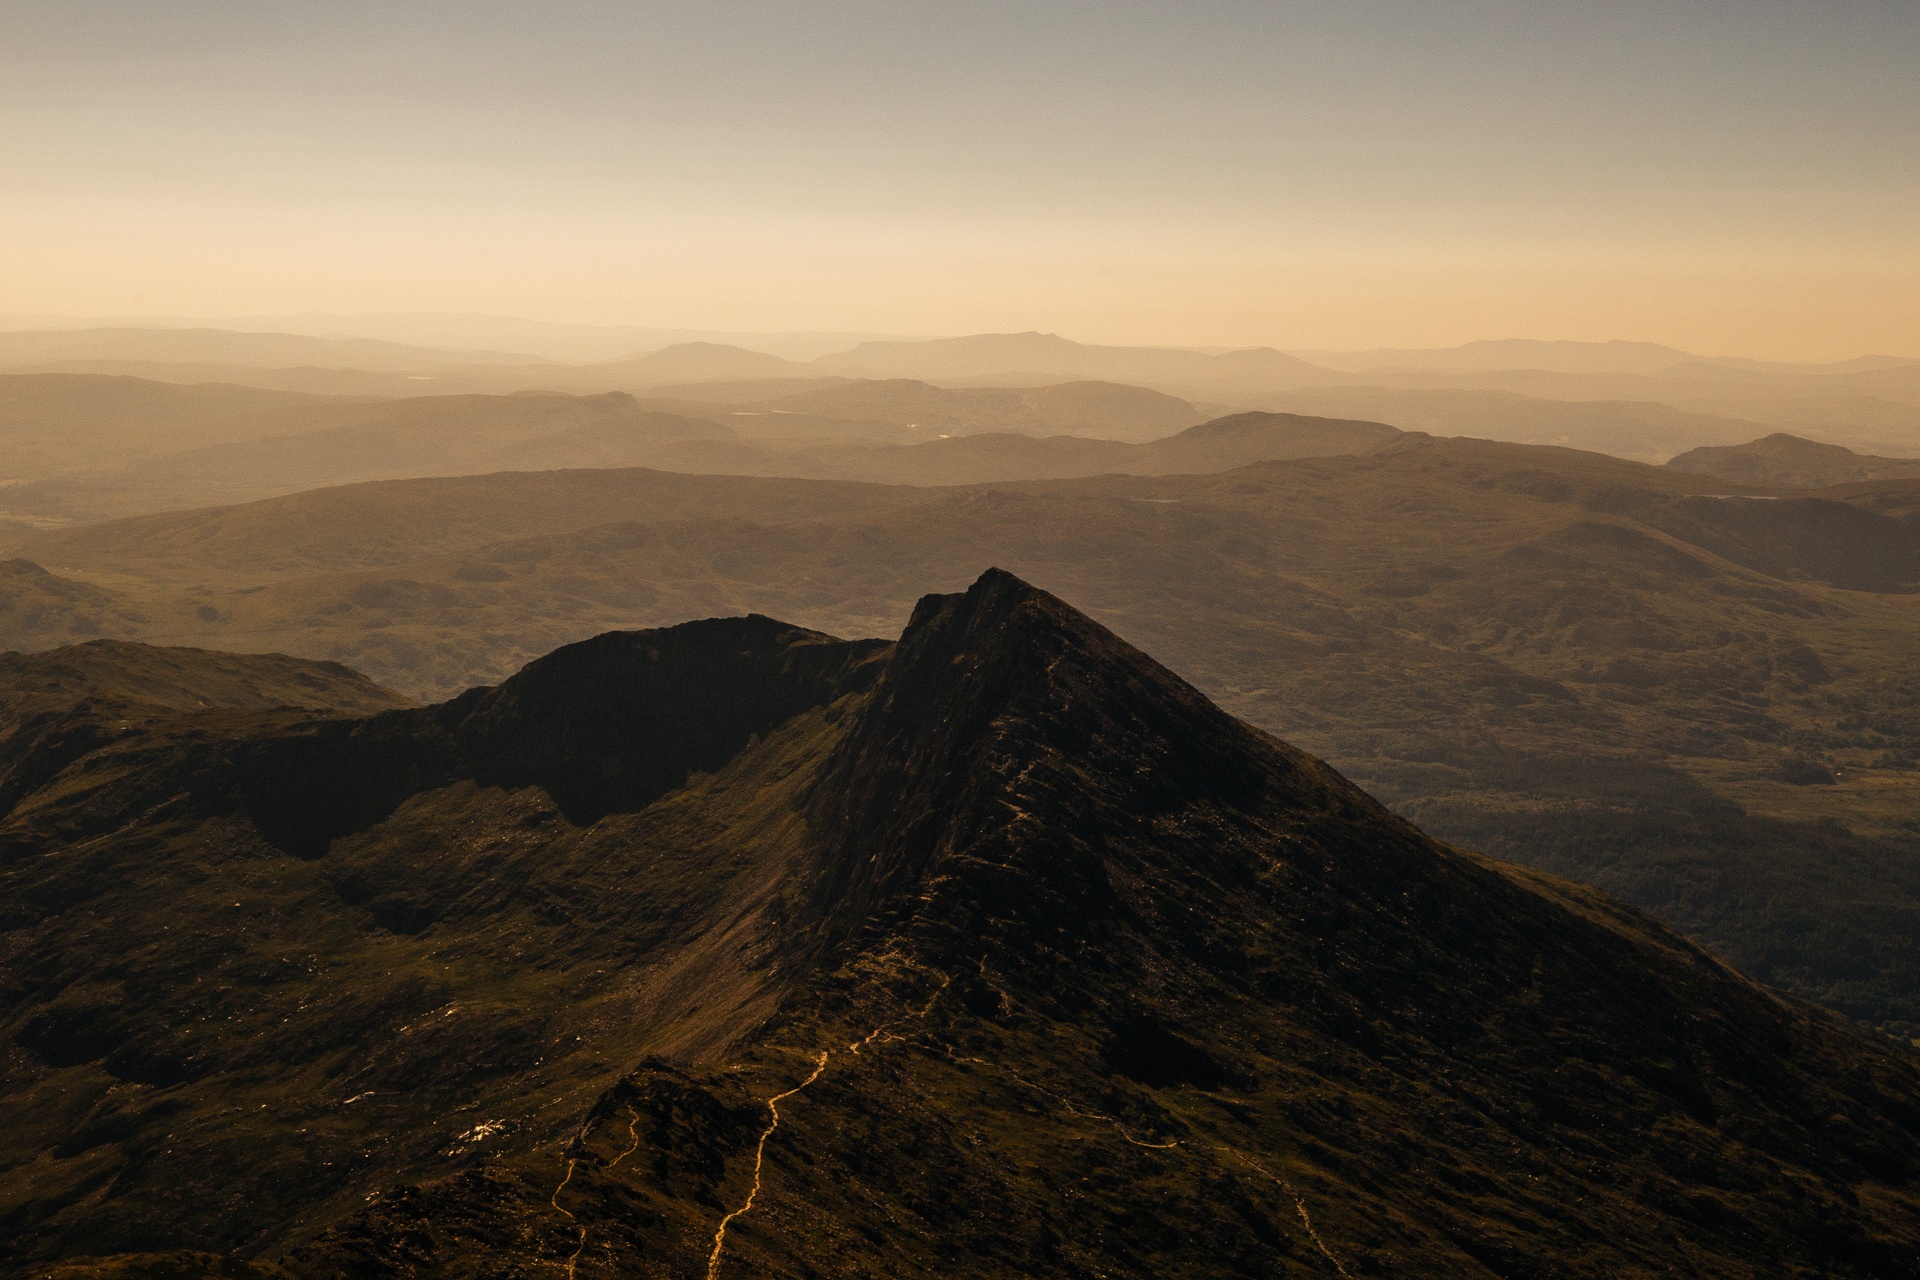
[{"x": 1737, "y": 178}]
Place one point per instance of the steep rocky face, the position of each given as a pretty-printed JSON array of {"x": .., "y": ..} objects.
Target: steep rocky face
[{"x": 996, "y": 952}]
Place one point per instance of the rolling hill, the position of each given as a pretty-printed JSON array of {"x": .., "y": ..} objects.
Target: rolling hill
[
  {"x": 987, "y": 457},
  {"x": 734, "y": 949},
  {"x": 53, "y": 424},
  {"x": 1790, "y": 462},
  {"x": 693, "y": 362}
]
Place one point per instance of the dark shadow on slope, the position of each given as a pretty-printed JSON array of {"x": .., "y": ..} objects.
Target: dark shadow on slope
[{"x": 614, "y": 723}]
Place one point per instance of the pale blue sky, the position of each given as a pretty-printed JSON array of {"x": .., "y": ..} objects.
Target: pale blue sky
[{"x": 1722, "y": 176}]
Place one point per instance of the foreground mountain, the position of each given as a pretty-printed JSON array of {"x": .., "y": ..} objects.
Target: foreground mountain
[
  {"x": 732, "y": 949},
  {"x": 107, "y": 678},
  {"x": 1790, "y": 461}
]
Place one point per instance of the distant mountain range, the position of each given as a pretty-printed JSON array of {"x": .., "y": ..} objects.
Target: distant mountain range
[
  {"x": 260, "y": 444},
  {"x": 994, "y": 355},
  {"x": 1663, "y": 401}
]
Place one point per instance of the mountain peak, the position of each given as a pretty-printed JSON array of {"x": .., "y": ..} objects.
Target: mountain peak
[{"x": 1001, "y": 703}]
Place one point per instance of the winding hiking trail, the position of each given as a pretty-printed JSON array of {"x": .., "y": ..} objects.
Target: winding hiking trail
[
  {"x": 759, "y": 1155},
  {"x": 884, "y": 1034},
  {"x": 572, "y": 1262},
  {"x": 633, "y": 1139},
  {"x": 573, "y": 1259},
  {"x": 1299, "y": 1205}
]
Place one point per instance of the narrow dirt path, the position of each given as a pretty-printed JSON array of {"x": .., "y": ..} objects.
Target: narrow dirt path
[
  {"x": 633, "y": 1139},
  {"x": 883, "y": 1034},
  {"x": 573, "y": 1259},
  {"x": 759, "y": 1156},
  {"x": 1299, "y": 1206},
  {"x": 633, "y": 1144}
]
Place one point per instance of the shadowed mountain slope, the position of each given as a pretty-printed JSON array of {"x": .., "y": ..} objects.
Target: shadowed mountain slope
[{"x": 996, "y": 952}]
